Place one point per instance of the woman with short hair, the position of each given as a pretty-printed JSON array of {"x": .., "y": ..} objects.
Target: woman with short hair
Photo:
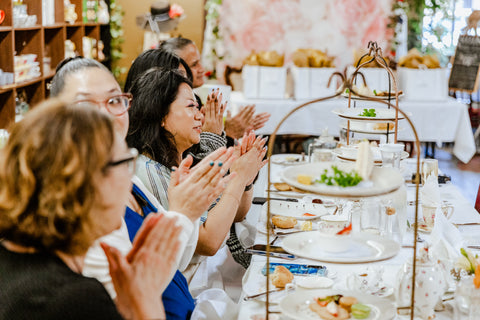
[{"x": 64, "y": 179}]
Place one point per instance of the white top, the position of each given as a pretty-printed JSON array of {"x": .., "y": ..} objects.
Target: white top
[{"x": 96, "y": 264}]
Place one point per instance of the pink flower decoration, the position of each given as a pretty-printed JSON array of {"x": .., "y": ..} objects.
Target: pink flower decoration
[
  {"x": 260, "y": 34},
  {"x": 175, "y": 11}
]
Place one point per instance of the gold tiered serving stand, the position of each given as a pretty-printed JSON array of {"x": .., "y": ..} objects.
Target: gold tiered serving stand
[{"x": 375, "y": 53}]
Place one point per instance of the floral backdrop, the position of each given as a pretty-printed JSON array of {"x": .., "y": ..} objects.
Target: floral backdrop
[{"x": 336, "y": 26}]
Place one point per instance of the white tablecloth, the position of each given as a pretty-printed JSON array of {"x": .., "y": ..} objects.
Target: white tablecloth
[
  {"x": 464, "y": 212},
  {"x": 436, "y": 121}
]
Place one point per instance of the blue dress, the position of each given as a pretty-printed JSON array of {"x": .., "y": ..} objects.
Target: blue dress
[{"x": 177, "y": 300}]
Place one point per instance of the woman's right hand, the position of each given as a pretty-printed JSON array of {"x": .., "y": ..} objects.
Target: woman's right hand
[
  {"x": 141, "y": 277},
  {"x": 192, "y": 191}
]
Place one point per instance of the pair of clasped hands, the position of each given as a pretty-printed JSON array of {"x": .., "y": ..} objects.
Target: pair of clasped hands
[
  {"x": 141, "y": 275},
  {"x": 235, "y": 126}
]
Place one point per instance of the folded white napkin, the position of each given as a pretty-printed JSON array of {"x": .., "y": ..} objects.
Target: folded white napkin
[
  {"x": 430, "y": 193},
  {"x": 214, "y": 304},
  {"x": 445, "y": 239}
]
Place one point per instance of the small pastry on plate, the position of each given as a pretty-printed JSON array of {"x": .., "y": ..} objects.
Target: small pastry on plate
[
  {"x": 282, "y": 186},
  {"x": 384, "y": 125},
  {"x": 281, "y": 277},
  {"x": 284, "y": 222},
  {"x": 304, "y": 179},
  {"x": 347, "y": 302},
  {"x": 307, "y": 226}
]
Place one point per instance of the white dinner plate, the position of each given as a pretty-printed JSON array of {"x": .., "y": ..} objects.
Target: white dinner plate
[
  {"x": 382, "y": 180},
  {"x": 287, "y": 159},
  {"x": 295, "y": 209},
  {"x": 254, "y": 282},
  {"x": 354, "y": 114},
  {"x": 363, "y": 247},
  {"x": 295, "y": 305}
]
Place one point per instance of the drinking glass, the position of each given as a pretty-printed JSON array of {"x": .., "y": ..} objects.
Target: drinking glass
[
  {"x": 370, "y": 216},
  {"x": 467, "y": 300},
  {"x": 391, "y": 154}
]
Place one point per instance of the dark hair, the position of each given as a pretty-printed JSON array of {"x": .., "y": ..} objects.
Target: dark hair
[
  {"x": 69, "y": 66},
  {"x": 175, "y": 44},
  {"x": 153, "y": 93},
  {"x": 151, "y": 59}
]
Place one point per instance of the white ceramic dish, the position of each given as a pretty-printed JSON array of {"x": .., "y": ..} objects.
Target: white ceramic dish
[
  {"x": 367, "y": 127},
  {"x": 381, "y": 114},
  {"x": 295, "y": 209},
  {"x": 257, "y": 284},
  {"x": 262, "y": 227},
  {"x": 314, "y": 282},
  {"x": 382, "y": 180},
  {"x": 288, "y": 159},
  {"x": 295, "y": 305},
  {"x": 350, "y": 154},
  {"x": 363, "y": 247}
]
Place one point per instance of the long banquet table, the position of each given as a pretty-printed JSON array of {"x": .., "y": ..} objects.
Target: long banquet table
[
  {"x": 436, "y": 121},
  {"x": 463, "y": 213}
]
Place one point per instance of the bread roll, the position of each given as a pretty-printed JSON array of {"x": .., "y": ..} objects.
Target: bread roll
[
  {"x": 284, "y": 222},
  {"x": 281, "y": 276}
]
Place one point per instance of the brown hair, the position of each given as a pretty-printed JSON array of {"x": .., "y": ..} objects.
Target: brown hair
[{"x": 47, "y": 176}]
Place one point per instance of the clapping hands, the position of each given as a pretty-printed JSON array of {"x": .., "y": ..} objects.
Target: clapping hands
[
  {"x": 250, "y": 156},
  {"x": 244, "y": 121},
  {"x": 142, "y": 275},
  {"x": 213, "y": 111},
  {"x": 192, "y": 191}
]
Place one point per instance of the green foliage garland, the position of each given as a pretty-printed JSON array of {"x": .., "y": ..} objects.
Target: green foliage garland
[{"x": 116, "y": 31}]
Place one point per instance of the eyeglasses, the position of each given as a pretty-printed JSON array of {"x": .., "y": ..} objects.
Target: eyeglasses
[
  {"x": 130, "y": 161},
  {"x": 116, "y": 105}
]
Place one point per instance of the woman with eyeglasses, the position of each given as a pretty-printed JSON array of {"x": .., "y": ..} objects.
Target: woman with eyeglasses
[
  {"x": 164, "y": 122},
  {"x": 64, "y": 179},
  {"x": 85, "y": 80}
]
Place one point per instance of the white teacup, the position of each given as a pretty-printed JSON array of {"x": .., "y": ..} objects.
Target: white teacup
[
  {"x": 332, "y": 224},
  {"x": 429, "y": 212}
]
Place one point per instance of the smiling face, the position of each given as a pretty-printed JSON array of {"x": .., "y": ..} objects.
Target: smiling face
[
  {"x": 183, "y": 120},
  {"x": 192, "y": 57},
  {"x": 97, "y": 85}
]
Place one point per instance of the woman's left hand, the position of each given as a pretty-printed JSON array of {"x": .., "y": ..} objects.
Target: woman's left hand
[{"x": 213, "y": 111}]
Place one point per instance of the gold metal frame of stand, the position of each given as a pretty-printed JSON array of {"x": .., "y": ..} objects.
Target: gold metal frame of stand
[{"x": 376, "y": 53}]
